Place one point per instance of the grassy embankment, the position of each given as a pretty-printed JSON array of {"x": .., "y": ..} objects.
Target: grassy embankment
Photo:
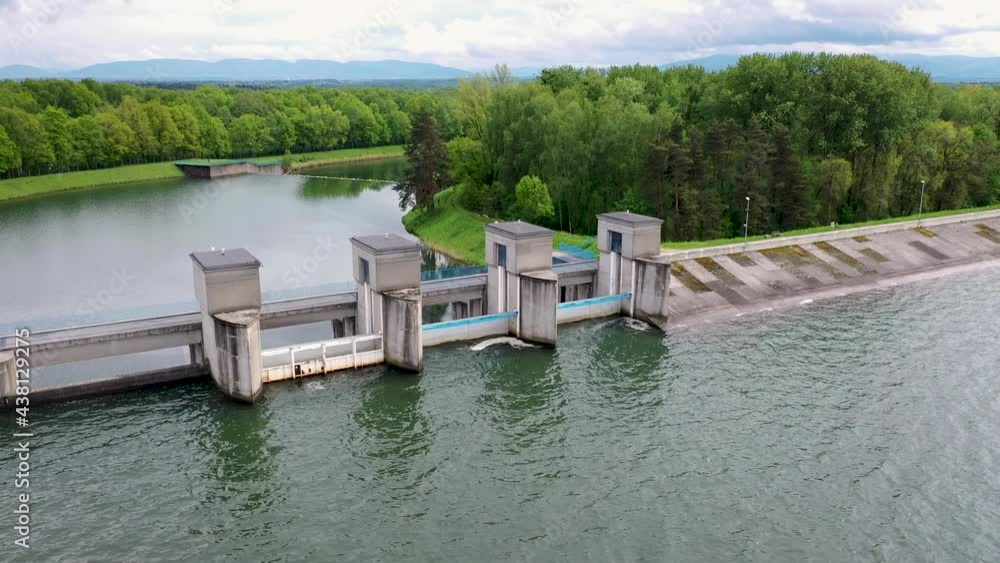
[
  {"x": 460, "y": 233},
  {"x": 308, "y": 160},
  {"x": 39, "y": 185},
  {"x": 689, "y": 245}
]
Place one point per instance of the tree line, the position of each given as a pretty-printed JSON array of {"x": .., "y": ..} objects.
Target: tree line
[
  {"x": 59, "y": 125},
  {"x": 810, "y": 139}
]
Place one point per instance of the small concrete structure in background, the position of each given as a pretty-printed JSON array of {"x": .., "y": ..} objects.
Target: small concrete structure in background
[
  {"x": 519, "y": 257},
  {"x": 387, "y": 269},
  {"x": 629, "y": 244},
  {"x": 227, "y": 286},
  {"x": 211, "y": 170}
]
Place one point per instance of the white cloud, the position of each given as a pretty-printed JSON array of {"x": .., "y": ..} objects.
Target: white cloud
[
  {"x": 797, "y": 10},
  {"x": 473, "y": 34}
]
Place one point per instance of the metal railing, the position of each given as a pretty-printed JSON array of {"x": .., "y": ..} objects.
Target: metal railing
[
  {"x": 322, "y": 357},
  {"x": 434, "y": 275},
  {"x": 466, "y": 329},
  {"x": 597, "y": 307},
  {"x": 577, "y": 251}
]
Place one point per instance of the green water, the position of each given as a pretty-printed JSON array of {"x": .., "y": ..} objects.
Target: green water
[
  {"x": 61, "y": 251},
  {"x": 118, "y": 253},
  {"x": 859, "y": 429}
]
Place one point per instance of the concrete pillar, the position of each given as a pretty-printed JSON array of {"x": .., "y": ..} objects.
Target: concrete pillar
[
  {"x": 623, "y": 239},
  {"x": 514, "y": 250},
  {"x": 652, "y": 292},
  {"x": 539, "y": 298},
  {"x": 475, "y": 308},
  {"x": 369, "y": 317},
  {"x": 227, "y": 286},
  {"x": 402, "y": 319},
  {"x": 342, "y": 328},
  {"x": 387, "y": 269},
  {"x": 196, "y": 354},
  {"x": 8, "y": 377},
  {"x": 240, "y": 371}
]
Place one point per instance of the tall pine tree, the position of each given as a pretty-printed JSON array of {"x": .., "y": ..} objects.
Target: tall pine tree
[{"x": 427, "y": 173}]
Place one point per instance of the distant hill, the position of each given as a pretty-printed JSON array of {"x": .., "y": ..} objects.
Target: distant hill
[
  {"x": 243, "y": 70},
  {"x": 23, "y": 71},
  {"x": 941, "y": 69},
  {"x": 247, "y": 71}
]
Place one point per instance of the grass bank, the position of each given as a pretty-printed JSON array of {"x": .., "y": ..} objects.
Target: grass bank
[
  {"x": 308, "y": 160},
  {"x": 459, "y": 233},
  {"x": 690, "y": 245},
  {"x": 18, "y": 188},
  {"x": 453, "y": 230}
]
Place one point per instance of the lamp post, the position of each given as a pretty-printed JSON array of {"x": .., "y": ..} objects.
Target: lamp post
[
  {"x": 920, "y": 213},
  {"x": 746, "y": 227}
]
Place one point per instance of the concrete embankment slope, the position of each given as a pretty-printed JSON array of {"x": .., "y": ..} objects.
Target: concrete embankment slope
[{"x": 732, "y": 279}]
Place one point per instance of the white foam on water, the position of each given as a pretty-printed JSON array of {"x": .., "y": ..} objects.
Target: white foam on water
[
  {"x": 513, "y": 342},
  {"x": 314, "y": 386},
  {"x": 807, "y": 302},
  {"x": 637, "y": 325}
]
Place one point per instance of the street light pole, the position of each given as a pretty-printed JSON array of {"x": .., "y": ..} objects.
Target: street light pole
[
  {"x": 923, "y": 186},
  {"x": 746, "y": 227}
]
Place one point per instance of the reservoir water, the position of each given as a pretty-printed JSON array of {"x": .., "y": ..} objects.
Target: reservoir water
[
  {"x": 865, "y": 428},
  {"x": 111, "y": 254},
  {"x": 64, "y": 253},
  {"x": 858, "y": 429}
]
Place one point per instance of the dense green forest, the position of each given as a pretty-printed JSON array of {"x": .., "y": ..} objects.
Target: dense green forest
[
  {"x": 811, "y": 139},
  {"x": 59, "y": 125}
]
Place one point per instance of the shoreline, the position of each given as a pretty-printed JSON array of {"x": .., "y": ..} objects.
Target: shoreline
[
  {"x": 320, "y": 164},
  {"x": 170, "y": 172}
]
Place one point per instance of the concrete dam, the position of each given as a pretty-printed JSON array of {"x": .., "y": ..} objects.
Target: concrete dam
[
  {"x": 214, "y": 169},
  {"x": 522, "y": 293},
  {"x": 739, "y": 279}
]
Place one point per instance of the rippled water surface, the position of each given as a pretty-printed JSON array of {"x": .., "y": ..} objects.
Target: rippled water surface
[{"x": 862, "y": 429}]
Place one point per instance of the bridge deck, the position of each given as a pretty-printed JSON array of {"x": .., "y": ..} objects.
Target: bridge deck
[{"x": 76, "y": 344}]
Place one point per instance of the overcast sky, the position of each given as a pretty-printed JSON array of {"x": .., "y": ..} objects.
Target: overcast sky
[{"x": 475, "y": 34}]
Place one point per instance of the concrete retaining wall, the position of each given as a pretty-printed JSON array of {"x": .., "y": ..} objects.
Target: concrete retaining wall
[
  {"x": 225, "y": 169},
  {"x": 467, "y": 329},
  {"x": 600, "y": 307},
  {"x": 794, "y": 271}
]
